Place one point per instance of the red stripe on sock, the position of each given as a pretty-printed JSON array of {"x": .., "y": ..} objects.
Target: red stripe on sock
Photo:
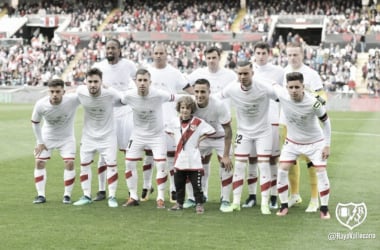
[
  {"x": 226, "y": 182},
  {"x": 252, "y": 180},
  {"x": 265, "y": 186},
  {"x": 38, "y": 178},
  {"x": 237, "y": 184},
  {"x": 273, "y": 183},
  {"x": 282, "y": 189},
  {"x": 128, "y": 174},
  {"x": 69, "y": 182},
  {"x": 325, "y": 192},
  {"x": 161, "y": 180},
  {"x": 101, "y": 169},
  {"x": 84, "y": 177},
  {"x": 147, "y": 167},
  {"x": 112, "y": 179}
]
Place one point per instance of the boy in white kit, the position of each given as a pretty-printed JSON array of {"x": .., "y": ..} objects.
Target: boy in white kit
[
  {"x": 58, "y": 112},
  {"x": 188, "y": 131},
  {"x": 303, "y": 113},
  {"x": 250, "y": 97},
  {"x": 148, "y": 132},
  {"x": 98, "y": 134}
]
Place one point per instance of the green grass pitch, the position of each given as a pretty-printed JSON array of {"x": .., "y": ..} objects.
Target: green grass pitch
[{"x": 354, "y": 172}]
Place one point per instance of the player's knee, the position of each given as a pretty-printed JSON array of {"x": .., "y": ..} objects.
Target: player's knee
[
  {"x": 69, "y": 165},
  {"x": 40, "y": 164}
]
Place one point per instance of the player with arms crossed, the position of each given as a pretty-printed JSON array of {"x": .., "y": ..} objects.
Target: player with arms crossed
[
  {"x": 98, "y": 134},
  {"x": 303, "y": 113},
  {"x": 117, "y": 73},
  {"x": 58, "y": 112},
  {"x": 148, "y": 132}
]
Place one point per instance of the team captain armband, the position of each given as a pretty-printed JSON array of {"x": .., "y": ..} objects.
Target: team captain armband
[{"x": 323, "y": 117}]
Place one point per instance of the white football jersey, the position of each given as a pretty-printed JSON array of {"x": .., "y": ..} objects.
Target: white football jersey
[
  {"x": 273, "y": 75},
  {"x": 58, "y": 120},
  {"x": 217, "y": 80},
  {"x": 170, "y": 80},
  {"x": 251, "y": 107},
  {"x": 147, "y": 111},
  {"x": 98, "y": 114},
  {"x": 216, "y": 114},
  {"x": 302, "y": 121}
]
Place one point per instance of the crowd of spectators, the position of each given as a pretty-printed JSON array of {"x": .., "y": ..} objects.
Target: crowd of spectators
[
  {"x": 175, "y": 16},
  {"x": 34, "y": 64}
]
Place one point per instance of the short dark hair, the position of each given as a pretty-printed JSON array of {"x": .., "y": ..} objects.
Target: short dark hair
[
  {"x": 261, "y": 45},
  {"x": 142, "y": 71},
  {"x": 244, "y": 63},
  {"x": 212, "y": 49},
  {"x": 188, "y": 101},
  {"x": 56, "y": 83},
  {"x": 116, "y": 41},
  {"x": 202, "y": 81},
  {"x": 94, "y": 71},
  {"x": 294, "y": 76}
]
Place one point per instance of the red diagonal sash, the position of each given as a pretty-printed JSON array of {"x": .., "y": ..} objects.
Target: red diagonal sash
[{"x": 186, "y": 135}]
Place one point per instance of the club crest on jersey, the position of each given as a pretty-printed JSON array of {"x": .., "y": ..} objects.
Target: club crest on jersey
[{"x": 351, "y": 214}]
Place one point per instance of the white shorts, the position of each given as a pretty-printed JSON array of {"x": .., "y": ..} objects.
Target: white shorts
[
  {"x": 107, "y": 152},
  {"x": 207, "y": 145},
  {"x": 123, "y": 127},
  {"x": 290, "y": 152},
  {"x": 170, "y": 144},
  {"x": 66, "y": 148},
  {"x": 276, "y": 149},
  {"x": 244, "y": 146},
  {"x": 137, "y": 144}
]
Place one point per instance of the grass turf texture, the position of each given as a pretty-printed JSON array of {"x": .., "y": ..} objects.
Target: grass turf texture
[{"x": 353, "y": 170}]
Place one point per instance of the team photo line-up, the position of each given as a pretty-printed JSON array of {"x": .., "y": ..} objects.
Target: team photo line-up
[{"x": 175, "y": 122}]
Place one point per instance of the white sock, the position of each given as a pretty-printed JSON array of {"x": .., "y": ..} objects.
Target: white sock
[
  {"x": 205, "y": 177},
  {"x": 265, "y": 180},
  {"x": 68, "y": 179},
  {"x": 323, "y": 187},
  {"x": 102, "y": 175},
  {"x": 252, "y": 178},
  {"x": 112, "y": 179},
  {"x": 283, "y": 185},
  {"x": 226, "y": 178},
  {"x": 189, "y": 191},
  {"x": 131, "y": 178},
  {"x": 273, "y": 175},
  {"x": 161, "y": 179},
  {"x": 170, "y": 166},
  {"x": 238, "y": 181},
  {"x": 85, "y": 179},
  {"x": 40, "y": 177},
  {"x": 147, "y": 172}
]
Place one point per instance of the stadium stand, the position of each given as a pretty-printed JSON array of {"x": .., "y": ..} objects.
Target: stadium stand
[{"x": 68, "y": 56}]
